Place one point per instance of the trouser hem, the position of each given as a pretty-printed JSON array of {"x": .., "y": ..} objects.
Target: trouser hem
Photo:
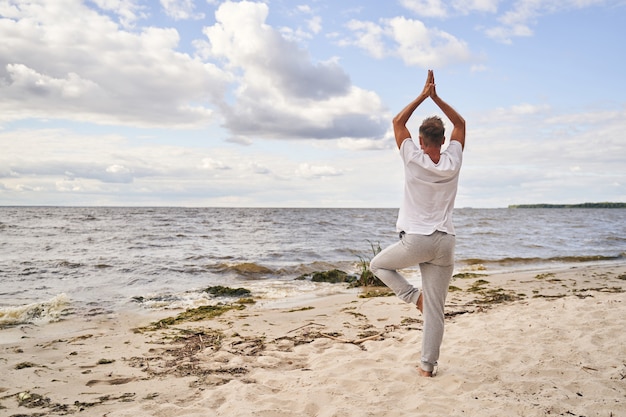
[{"x": 428, "y": 367}]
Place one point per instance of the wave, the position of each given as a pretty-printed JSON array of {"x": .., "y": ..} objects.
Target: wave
[
  {"x": 254, "y": 270},
  {"x": 46, "y": 311},
  {"x": 245, "y": 268},
  {"x": 536, "y": 260}
]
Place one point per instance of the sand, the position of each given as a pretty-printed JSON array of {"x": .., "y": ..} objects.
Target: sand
[{"x": 530, "y": 343}]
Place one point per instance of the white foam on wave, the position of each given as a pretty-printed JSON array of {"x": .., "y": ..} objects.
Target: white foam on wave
[
  {"x": 265, "y": 291},
  {"x": 45, "y": 311}
]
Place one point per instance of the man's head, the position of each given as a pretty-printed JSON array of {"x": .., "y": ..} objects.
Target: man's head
[{"x": 432, "y": 131}]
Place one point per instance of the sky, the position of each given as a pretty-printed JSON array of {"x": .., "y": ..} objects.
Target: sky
[{"x": 281, "y": 103}]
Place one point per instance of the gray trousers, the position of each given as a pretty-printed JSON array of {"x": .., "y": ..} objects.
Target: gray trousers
[{"x": 435, "y": 256}]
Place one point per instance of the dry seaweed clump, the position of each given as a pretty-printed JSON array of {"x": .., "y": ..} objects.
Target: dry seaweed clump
[
  {"x": 192, "y": 314},
  {"x": 23, "y": 365},
  {"x": 492, "y": 295},
  {"x": 497, "y": 296},
  {"x": 375, "y": 291}
]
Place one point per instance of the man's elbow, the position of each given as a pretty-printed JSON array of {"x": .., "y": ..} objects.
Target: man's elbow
[{"x": 399, "y": 128}]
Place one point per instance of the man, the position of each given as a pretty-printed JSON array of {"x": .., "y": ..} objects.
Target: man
[{"x": 425, "y": 218}]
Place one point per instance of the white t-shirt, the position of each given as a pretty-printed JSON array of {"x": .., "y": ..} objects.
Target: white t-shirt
[{"x": 429, "y": 189}]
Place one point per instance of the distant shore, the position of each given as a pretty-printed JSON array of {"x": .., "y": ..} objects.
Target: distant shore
[{"x": 581, "y": 205}]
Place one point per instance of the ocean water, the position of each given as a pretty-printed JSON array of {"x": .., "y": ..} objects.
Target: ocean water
[{"x": 57, "y": 261}]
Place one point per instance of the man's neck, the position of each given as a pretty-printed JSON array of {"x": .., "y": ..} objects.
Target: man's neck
[{"x": 434, "y": 153}]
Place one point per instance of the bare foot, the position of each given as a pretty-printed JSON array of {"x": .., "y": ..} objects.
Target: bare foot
[
  {"x": 426, "y": 374},
  {"x": 420, "y": 303}
]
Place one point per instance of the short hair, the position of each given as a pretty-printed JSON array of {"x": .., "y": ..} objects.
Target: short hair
[{"x": 432, "y": 130}]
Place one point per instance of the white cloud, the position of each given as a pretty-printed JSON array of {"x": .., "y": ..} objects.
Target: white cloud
[
  {"x": 427, "y": 8},
  {"x": 281, "y": 92},
  {"x": 369, "y": 36},
  {"x": 478, "y": 68},
  {"x": 442, "y": 9},
  {"x": 529, "y": 154},
  {"x": 315, "y": 24},
  {"x": 128, "y": 11},
  {"x": 259, "y": 168},
  {"x": 25, "y": 80},
  {"x": 211, "y": 164},
  {"x": 75, "y": 63},
  {"x": 365, "y": 144},
  {"x": 67, "y": 61},
  {"x": 306, "y": 170},
  {"x": 181, "y": 9},
  {"x": 468, "y": 6},
  {"x": 519, "y": 19},
  {"x": 410, "y": 40}
]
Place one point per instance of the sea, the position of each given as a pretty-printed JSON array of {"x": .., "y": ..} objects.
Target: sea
[{"x": 57, "y": 262}]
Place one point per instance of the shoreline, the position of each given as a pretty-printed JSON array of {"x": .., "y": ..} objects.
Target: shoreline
[{"x": 536, "y": 342}]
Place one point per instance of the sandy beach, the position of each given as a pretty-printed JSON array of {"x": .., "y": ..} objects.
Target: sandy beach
[{"x": 531, "y": 343}]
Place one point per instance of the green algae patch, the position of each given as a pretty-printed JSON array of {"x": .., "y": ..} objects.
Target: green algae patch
[
  {"x": 371, "y": 292},
  {"x": 192, "y": 314},
  {"x": 300, "y": 309},
  {"x": 478, "y": 286},
  {"x": 221, "y": 291},
  {"x": 333, "y": 276},
  {"x": 467, "y": 275}
]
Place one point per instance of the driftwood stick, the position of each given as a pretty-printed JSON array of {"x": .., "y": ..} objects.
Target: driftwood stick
[
  {"x": 356, "y": 342},
  {"x": 306, "y": 325},
  {"x": 335, "y": 338},
  {"x": 365, "y": 339}
]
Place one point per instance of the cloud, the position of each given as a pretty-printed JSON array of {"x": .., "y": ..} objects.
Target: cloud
[
  {"x": 281, "y": 92},
  {"x": 181, "y": 9},
  {"x": 365, "y": 144},
  {"x": 468, "y": 6},
  {"x": 306, "y": 170},
  {"x": 128, "y": 11},
  {"x": 211, "y": 164},
  {"x": 68, "y": 61},
  {"x": 442, "y": 9},
  {"x": 409, "y": 40},
  {"x": 428, "y": 8},
  {"x": 531, "y": 154},
  {"x": 76, "y": 63},
  {"x": 519, "y": 19},
  {"x": 315, "y": 24}
]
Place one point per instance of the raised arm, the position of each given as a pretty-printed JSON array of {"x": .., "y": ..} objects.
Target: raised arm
[
  {"x": 458, "y": 132},
  {"x": 401, "y": 132}
]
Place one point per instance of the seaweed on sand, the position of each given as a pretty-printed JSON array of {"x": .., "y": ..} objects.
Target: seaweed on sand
[
  {"x": 192, "y": 314},
  {"x": 221, "y": 291}
]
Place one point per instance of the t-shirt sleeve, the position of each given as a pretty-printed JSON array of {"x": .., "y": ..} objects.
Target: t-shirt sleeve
[
  {"x": 455, "y": 151},
  {"x": 408, "y": 150}
]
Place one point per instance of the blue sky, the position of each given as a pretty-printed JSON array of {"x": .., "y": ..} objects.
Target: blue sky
[{"x": 289, "y": 103}]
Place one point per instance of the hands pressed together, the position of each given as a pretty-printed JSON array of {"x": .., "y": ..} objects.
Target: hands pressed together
[
  {"x": 429, "y": 87},
  {"x": 399, "y": 122}
]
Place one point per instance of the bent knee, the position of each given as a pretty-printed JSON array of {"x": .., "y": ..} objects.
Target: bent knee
[{"x": 374, "y": 267}]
